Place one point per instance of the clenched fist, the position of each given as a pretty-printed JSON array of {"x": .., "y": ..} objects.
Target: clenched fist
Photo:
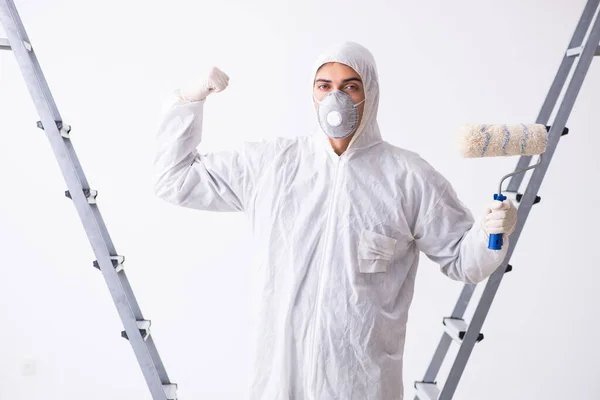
[{"x": 212, "y": 82}]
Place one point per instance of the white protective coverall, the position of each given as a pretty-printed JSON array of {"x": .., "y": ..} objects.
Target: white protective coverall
[{"x": 339, "y": 242}]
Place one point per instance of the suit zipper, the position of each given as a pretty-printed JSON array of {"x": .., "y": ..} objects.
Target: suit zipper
[{"x": 326, "y": 257}]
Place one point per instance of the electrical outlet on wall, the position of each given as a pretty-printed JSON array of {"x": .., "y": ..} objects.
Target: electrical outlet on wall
[{"x": 28, "y": 367}]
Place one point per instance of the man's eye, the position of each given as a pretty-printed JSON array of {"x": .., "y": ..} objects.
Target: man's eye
[
  {"x": 352, "y": 87},
  {"x": 323, "y": 87}
]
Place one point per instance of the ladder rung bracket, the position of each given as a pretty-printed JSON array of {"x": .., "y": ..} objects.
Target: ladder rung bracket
[
  {"x": 89, "y": 194},
  {"x": 64, "y": 129},
  {"x": 117, "y": 262},
  {"x": 170, "y": 391},
  {"x": 427, "y": 390},
  {"x": 4, "y": 44},
  {"x": 520, "y": 196},
  {"x": 564, "y": 132},
  {"x": 456, "y": 328},
  {"x": 575, "y": 51},
  {"x": 143, "y": 326},
  {"x": 510, "y": 195}
]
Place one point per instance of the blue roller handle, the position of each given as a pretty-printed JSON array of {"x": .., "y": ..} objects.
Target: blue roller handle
[{"x": 495, "y": 242}]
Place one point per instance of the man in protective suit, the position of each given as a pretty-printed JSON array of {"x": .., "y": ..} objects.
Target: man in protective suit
[{"x": 341, "y": 217}]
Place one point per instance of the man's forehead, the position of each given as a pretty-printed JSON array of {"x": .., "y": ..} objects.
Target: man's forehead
[
  {"x": 335, "y": 66},
  {"x": 338, "y": 72}
]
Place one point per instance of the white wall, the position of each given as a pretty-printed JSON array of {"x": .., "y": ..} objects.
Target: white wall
[{"x": 111, "y": 64}]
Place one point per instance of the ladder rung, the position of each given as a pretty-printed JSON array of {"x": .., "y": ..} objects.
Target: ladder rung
[
  {"x": 171, "y": 391},
  {"x": 4, "y": 45},
  {"x": 576, "y": 51},
  {"x": 427, "y": 391},
  {"x": 456, "y": 328}
]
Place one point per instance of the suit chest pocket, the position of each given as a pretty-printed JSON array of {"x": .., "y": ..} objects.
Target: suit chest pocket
[{"x": 375, "y": 251}]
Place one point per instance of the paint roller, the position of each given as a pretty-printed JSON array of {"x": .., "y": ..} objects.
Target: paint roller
[{"x": 475, "y": 141}]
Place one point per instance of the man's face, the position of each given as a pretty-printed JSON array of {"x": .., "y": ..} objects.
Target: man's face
[{"x": 332, "y": 76}]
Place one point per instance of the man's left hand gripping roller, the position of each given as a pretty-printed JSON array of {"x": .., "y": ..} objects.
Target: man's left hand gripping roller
[{"x": 475, "y": 141}]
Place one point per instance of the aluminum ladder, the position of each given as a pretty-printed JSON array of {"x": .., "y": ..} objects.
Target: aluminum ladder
[
  {"x": 575, "y": 64},
  {"x": 108, "y": 261}
]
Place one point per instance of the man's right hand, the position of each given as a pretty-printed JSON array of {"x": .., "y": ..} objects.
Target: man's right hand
[{"x": 214, "y": 81}]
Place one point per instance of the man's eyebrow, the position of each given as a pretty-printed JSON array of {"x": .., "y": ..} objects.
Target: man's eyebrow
[{"x": 344, "y": 81}]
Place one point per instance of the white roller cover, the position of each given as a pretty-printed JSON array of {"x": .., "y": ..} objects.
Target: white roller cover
[{"x": 475, "y": 141}]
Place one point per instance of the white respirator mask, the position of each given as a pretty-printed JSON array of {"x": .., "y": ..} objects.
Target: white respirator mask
[{"x": 337, "y": 114}]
